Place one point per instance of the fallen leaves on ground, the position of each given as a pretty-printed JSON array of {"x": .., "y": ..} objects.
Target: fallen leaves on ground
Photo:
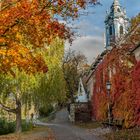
[{"x": 39, "y": 133}]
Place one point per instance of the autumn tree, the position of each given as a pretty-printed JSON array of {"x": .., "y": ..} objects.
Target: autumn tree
[
  {"x": 136, "y": 76},
  {"x": 134, "y": 27},
  {"x": 16, "y": 92},
  {"x": 52, "y": 87},
  {"x": 28, "y": 25},
  {"x": 73, "y": 65},
  {"x": 27, "y": 28}
]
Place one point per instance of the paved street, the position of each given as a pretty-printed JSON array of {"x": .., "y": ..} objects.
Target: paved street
[{"x": 64, "y": 130}]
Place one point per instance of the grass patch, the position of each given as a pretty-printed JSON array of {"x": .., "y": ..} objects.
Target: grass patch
[
  {"x": 125, "y": 134},
  {"x": 88, "y": 125},
  {"x": 44, "y": 119}
]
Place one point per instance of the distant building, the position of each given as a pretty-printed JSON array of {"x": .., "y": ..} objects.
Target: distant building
[
  {"x": 116, "y": 24},
  {"x": 82, "y": 95}
]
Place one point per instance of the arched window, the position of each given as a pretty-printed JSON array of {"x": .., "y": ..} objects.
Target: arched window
[
  {"x": 110, "y": 30},
  {"x": 121, "y": 30},
  {"x": 118, "y": 10}
]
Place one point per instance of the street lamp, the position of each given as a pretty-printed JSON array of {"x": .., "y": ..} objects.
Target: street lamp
[{"x": 108, "y": 87}]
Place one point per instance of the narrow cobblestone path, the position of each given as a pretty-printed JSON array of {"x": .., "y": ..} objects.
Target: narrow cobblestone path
[{"x": 64, "y": 130}]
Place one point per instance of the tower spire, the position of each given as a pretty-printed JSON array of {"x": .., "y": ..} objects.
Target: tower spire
[{"x": 116, "y": 3}]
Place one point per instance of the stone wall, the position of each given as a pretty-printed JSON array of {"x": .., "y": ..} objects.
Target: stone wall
[
  {"x": 80, "y": 112},
  {"x": 72, "y": 113}
]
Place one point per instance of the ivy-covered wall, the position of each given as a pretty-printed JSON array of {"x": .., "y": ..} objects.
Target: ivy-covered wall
[{"x": 122, "y": 70}]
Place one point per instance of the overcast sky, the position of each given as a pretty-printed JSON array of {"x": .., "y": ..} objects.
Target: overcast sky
[{"x": 91, "y": 27}]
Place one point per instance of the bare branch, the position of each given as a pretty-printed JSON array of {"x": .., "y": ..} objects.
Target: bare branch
[{"x": 7, "y": 108}]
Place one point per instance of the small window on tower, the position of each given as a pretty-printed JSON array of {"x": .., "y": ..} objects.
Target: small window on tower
[
  {"x": 118, "y": 10},
  {"x": 121, "y": 30},
  {"x": 80, "y": 88},
  {"x": 110, "y": 30}
]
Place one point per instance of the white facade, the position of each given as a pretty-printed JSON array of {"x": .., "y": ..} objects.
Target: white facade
[{"x": 82, "y": 95}]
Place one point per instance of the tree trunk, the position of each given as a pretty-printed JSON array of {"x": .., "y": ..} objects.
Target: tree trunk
[
  {"x": 16, "y": 111},
  {"x": 18, "y": 117},
  {"x": 72, "y": 98}
]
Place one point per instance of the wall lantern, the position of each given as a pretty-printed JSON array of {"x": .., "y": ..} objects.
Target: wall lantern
[{"x": 108, "y": 85}]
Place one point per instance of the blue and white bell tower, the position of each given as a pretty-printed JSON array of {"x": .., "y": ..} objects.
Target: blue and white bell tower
[{"x": 116, "y": 24}]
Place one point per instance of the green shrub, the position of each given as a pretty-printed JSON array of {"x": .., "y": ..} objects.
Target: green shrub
[
  {"x": 6, "y": 127},
  {"x": 9, "y": 127},
  {"x": 26, "y": 126},
  {"x": 44, "y": 112}
]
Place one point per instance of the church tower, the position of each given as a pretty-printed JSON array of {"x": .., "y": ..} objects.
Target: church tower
[{"x": 116, "y": 23}]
